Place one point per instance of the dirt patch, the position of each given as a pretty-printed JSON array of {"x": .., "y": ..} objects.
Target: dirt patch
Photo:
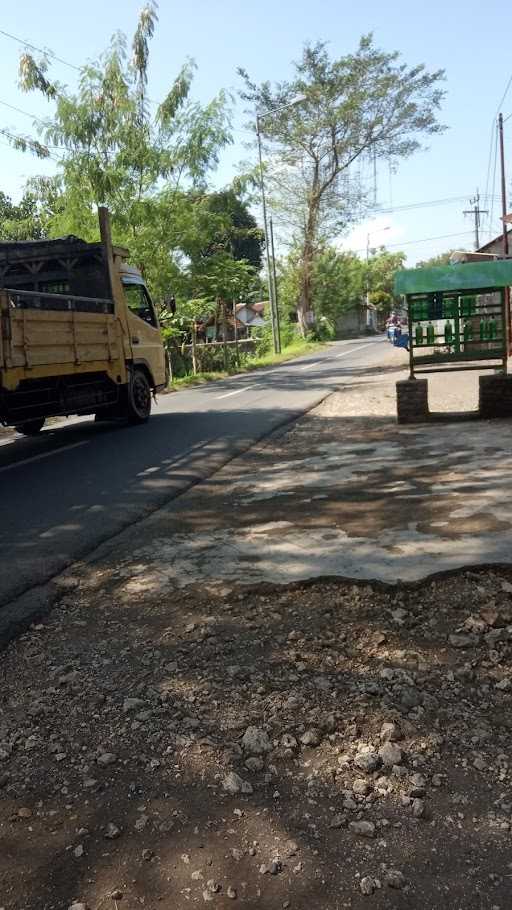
[{"x": 378, "y": 773}]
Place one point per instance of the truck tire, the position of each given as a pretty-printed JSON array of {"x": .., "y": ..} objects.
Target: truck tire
[
  {"x": 139, "y": 397},
  {"x": 31, "y": 427}
]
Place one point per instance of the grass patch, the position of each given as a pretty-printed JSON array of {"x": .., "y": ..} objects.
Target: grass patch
[
  {"x": 295, "y": 349},
  {"x": 198, "y": 379}
]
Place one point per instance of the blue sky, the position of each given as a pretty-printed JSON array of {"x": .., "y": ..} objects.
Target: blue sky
[{"x": 466, "y": 39}]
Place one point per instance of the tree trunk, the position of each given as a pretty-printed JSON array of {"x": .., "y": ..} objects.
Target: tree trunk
[
  {"x": 305, "y": 304},
  {"x": 237, "y": 352},
  {"x": 225, "y": 336},
  {"x": 194, "y": 358}
]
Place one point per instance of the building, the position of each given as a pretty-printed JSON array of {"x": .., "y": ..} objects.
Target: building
[
  {"x": 495, "y": 247},
  {"x": 361, "y": 319},
  {"x": 248, "y": 316},
  {"x": 491, "y": 250},
  {"x": 251, "y": 316}
]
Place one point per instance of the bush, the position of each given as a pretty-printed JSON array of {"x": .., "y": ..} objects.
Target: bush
[
  {"x": 290, "y": 332},
  {"x": 264, "y": 340},
  {"x": 323, "y": 331}
]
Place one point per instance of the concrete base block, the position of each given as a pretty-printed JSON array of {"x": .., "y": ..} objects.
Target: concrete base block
[
  {"x": 495, "y": 395},
  {"x": 412, "y": 400}
]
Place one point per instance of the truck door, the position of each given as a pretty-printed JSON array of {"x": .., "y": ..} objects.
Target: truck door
[{"x": 145, "y": 337}]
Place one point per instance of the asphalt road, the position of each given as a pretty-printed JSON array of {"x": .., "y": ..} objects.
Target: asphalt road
[{"x": 79, "y": 483}]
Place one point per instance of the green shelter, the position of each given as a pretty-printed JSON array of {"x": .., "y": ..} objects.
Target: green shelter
[{"x": 459, "y": 316}]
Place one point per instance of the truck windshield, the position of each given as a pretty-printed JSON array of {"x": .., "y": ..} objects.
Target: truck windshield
[{"x": 139, "y": 303}]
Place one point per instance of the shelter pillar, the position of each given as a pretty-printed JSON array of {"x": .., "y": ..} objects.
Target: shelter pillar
[
  {"x": 495, "y": 395},
  {"x": 412, "y": 400}
]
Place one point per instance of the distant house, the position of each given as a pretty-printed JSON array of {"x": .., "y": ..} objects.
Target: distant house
[
  {"x": 247, "y": 316},
  {"x": 361, "y": 319},
  {"x": 495, "y": 247},
  {"x": 491, "y": 250},
  {"x": 251, "y": 315}
]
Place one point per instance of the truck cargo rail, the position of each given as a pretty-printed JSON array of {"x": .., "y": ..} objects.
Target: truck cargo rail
[{"x": 39, "y": 300}]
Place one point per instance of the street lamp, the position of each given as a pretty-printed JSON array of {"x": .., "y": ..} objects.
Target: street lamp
[
  {"x": 272, "y": 290},
  {"x": 368, "y": 235}
]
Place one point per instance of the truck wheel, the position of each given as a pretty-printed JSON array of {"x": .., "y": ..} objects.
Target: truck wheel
[
  {"x": 139, "y": 398},
  {"x": 31, "y": 427}
]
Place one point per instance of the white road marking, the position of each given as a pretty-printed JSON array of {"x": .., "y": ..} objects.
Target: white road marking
[
  {"x": 308, "y": 367},
  {"x": 236, "y": 392},
  {"x": 18, "y": 464},
  {"x": 354, "y": 349}
]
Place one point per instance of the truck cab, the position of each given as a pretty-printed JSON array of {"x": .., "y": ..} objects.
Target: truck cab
[{"x": 144, "y": 330}]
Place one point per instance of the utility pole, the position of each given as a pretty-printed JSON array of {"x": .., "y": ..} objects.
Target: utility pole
[
  {"x": 505, "y": 230},
  {"x": 272, "y": 302},
  {"x": 503, "y": 185},
  {"x": 476, "y": 211},
  {"x": 276, "y": 299}
]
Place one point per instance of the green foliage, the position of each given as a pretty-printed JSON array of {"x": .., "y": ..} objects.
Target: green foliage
[
  {"x": 264, "y": 339},
  {"x": 338, "y": 285},
  {"x": 238, "y": 232},
  {"x": 339, "y": 281},
  {"x": 26, "y": 221},
  {"x": 382, "y": 268},
  {"x": 221, "y": 277}
]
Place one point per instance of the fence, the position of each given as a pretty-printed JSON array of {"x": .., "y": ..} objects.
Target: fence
[{"x": 209, "y": 358}]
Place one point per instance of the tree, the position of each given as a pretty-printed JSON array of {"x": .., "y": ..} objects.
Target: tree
[
  {"x": 150, "y": 167},
  {"x": 26, "y": 221},
  {"x": 325, "y": 118},
  {"x": 382, "y": 268},
  {"x": 238, "y": 232},
  {"x": 338, "y": 282},
  {"x": 440, "y": 259}
]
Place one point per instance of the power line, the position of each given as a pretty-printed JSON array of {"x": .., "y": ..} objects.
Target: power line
[
  {"x": 427, "y": 239},
  {"x": 450, "y": 200},
  {"x": 476, "y": 211},
  {"x": 49, "y": 53},
  {"x": 491, "y": 216},
  {"x": 40, "y": 50},
  {"x": 422, "y": 240},
  {"x": 505, "y": 93},
  {"x": 19, "y": 110},
  {"x": 30, "y": 143}
]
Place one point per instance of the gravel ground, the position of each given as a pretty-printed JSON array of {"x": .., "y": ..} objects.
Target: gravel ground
[{"x": 325, "y": 745}]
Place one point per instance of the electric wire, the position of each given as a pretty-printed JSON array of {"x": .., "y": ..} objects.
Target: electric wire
[
  {"x": 491, "y": 215},
  {"x": 420, "y": 240},
  {"x": 505, "y": 93},
  {"x": 40, "y": 50}
]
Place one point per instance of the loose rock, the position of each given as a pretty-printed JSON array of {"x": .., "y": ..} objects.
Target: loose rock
[
  {"x": 256, "y": 741},
  {"x": 233, "y": 784},
  {"x": 367, "y": 761},
  {"x": 367, "y": 885},
  {"x": 311, "y": 738},
  {"x": 390, "y": 733},
  {"x": 363, "y": 828},
  {"x": 395, "y": 879},
  {"x": 390, "y": 754}
]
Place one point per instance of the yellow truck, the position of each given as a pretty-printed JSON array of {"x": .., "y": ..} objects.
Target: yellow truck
[{"x": 78, "y": 333}]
